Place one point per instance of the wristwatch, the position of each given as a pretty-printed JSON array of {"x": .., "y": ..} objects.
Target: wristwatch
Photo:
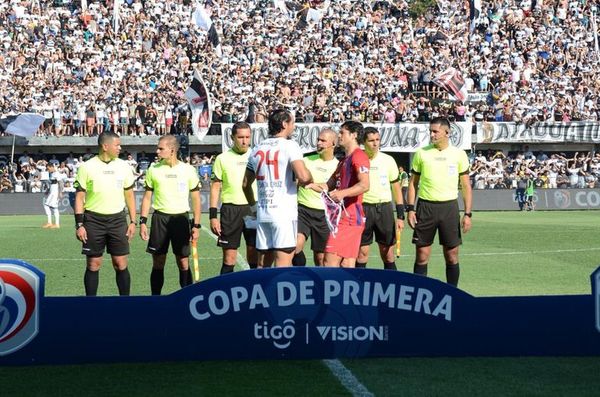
[
  {"x": 196, "y": 226},
  {"x": 469, "y": 214}
]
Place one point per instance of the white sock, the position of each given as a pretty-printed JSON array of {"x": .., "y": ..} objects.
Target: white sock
[
  {"x": 48, "y": 213},
  {"x": 56, "y": 216}
]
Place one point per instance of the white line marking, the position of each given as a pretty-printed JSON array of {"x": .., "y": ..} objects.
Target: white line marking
[
  {"x": 509, "y": 252},
  {"x": 240, "y": 259},
  {"x": 347, "y": 378},
  {"x": 243, "y": 263}
]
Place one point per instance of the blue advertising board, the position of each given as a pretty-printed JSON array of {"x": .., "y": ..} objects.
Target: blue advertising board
[{"x": 294, "y": 313}]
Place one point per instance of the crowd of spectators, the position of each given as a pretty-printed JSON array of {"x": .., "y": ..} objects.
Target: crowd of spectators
[
  {"x": 29, "y": 173},
  {"x": 495, "y": 170},
  {"x": 367, "y": 60}
]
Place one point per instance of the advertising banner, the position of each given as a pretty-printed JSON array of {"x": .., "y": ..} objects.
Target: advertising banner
[
  {"x": 403, "y": 137},
  {"x": 296, "y": 313},
  {"x": 572, "y": 132}
]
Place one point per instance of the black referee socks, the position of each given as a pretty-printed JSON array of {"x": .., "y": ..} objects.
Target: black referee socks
[
  {"x": 420, "y": 269},
  {"x": 123, "y": 281},
  {"x": 90, "y": 281},
  {"x": 360, "y": 265},
  {"x": 452, "y": 274},
  {"x": 226, "y": 268},
  {"x": 299, "y": 259},
  {"x": 389, "y": 266},
  {"x": 157, "y": 279}
]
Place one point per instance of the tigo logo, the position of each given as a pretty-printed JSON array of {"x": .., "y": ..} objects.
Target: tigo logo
[
  {"x": 349, "y": 333},
  {"x": 281, "y": 335},
  {"x": 19, "y": 307}
]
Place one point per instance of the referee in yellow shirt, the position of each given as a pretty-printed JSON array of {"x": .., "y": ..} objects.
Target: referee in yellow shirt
[
  {"x": 384, "y": 181},
  {"x": 104, "y": 185},
  {"x": 226, "y": 182},
  {"x": 169, "y": 185},
  {"x": 311, "y": 211},
  {"x": 437, "y": 170}
]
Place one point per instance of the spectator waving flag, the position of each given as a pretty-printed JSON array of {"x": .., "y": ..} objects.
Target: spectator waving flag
[
  {"x": 452, "y": 81},
  {"x": 199, "y": 101},
  {"x": 24, "y": 124},
  {"x": 202, "y": 18},
  {"x": 474, "y": 12}
]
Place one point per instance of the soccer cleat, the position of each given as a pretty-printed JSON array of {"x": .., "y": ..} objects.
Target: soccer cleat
[
  {"x": 47, "y": 226},
  {"x": 55, "y": 227}
]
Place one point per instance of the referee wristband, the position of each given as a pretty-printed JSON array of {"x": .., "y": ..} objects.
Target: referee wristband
[
  {"x": 212, "y": 212},
  {"x": 79, "y": 219},
  {"x": 143, "y": 220},
  {"x": 400, "y": 211},
  {"x": 409, "y": 207}
]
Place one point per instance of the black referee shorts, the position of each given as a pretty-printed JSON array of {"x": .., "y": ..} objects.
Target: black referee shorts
[
  {"x": 233, "y": 226},
  {"x": 169, "y": 228},
  {"x": 105, "y": 232},
  {"x": 381, "y": 221},
  {"x": 433, "y": 216},
  {"x": 312, "y": 224}
]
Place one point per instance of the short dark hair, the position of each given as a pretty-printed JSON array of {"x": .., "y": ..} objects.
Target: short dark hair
[
  {"x": 106, "y": 136},
  {"x": 276, "y": 120},
  {"x": 441, "y": 121},
  {"x": 367, "y": 131},
  {"x": 240, "y": 125},
  {"x": 355, "y": 127}
]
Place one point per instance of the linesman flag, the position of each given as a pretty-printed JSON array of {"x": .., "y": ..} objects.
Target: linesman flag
[
  {"x": 452, "y": 81},
  {"x": 24, "y": 124},
  {"x": 199, "y": 101}
]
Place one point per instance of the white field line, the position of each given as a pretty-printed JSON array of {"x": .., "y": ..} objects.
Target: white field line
[
  {"x": 347, "y": 378},
  {"x": 244, "y": 264}
]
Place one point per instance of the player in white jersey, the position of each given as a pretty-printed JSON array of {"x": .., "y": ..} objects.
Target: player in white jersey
[
  {"x": 53, "y": 195},
  {"x": 273, "y": 164}
]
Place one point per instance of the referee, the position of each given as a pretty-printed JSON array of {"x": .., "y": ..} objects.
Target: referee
[
  {"x": 169, "y": 185},
  {"x": 384, "y": 181},
  {"x": 311, "y": 214},
  {"x": 104, "y": 185},
  {"x": 437, "y": 170},
  {"x": 226, "y": 183}
]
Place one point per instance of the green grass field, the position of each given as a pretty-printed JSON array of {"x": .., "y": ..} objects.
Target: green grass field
[{"x": 506, "y": 254}]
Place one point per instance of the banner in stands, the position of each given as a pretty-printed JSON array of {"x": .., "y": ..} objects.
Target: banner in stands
[
  {"x": 573, "y": 132},
  {"x": 403, "y": 137},
  {"x": 299, "y": 313}
]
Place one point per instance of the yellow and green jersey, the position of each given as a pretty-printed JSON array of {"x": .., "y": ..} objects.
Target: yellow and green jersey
[
  {"x": 321, "y": 171},
  {"x": 382, "y": 174},
  {"x": 439, "y": 172},
  {"x": 171, "y": 186},
  {"x": 104, "y": 184},
  {"x": 229, "y": 168}
]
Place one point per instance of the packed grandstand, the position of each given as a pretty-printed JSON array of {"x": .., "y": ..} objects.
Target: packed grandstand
[{"x": 90, "y": 66}]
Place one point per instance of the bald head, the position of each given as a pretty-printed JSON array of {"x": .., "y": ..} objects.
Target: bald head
[{"x": 326, "y": 143}]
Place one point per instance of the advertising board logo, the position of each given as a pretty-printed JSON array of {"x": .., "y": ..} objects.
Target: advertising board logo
[
  {"x": 562, "y": 199},
  {"x": 349, "y": 333},
  {"x": 19, "y": 307},
  {"x": 280, "y": 334}
]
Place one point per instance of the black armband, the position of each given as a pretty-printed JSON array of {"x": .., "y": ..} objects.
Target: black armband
[
  {"x": 400, "y": 211},
  {"x": 212, "y": 212},
  {"x": 409, "y": 208},
  {"x": 143, "y": 220}
]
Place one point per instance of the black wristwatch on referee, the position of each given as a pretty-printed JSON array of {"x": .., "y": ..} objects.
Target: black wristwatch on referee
[{"x": 469, "y": 214}]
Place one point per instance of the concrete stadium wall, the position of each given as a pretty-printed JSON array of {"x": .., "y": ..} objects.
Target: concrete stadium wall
[{"x": 483, "y": 200}]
